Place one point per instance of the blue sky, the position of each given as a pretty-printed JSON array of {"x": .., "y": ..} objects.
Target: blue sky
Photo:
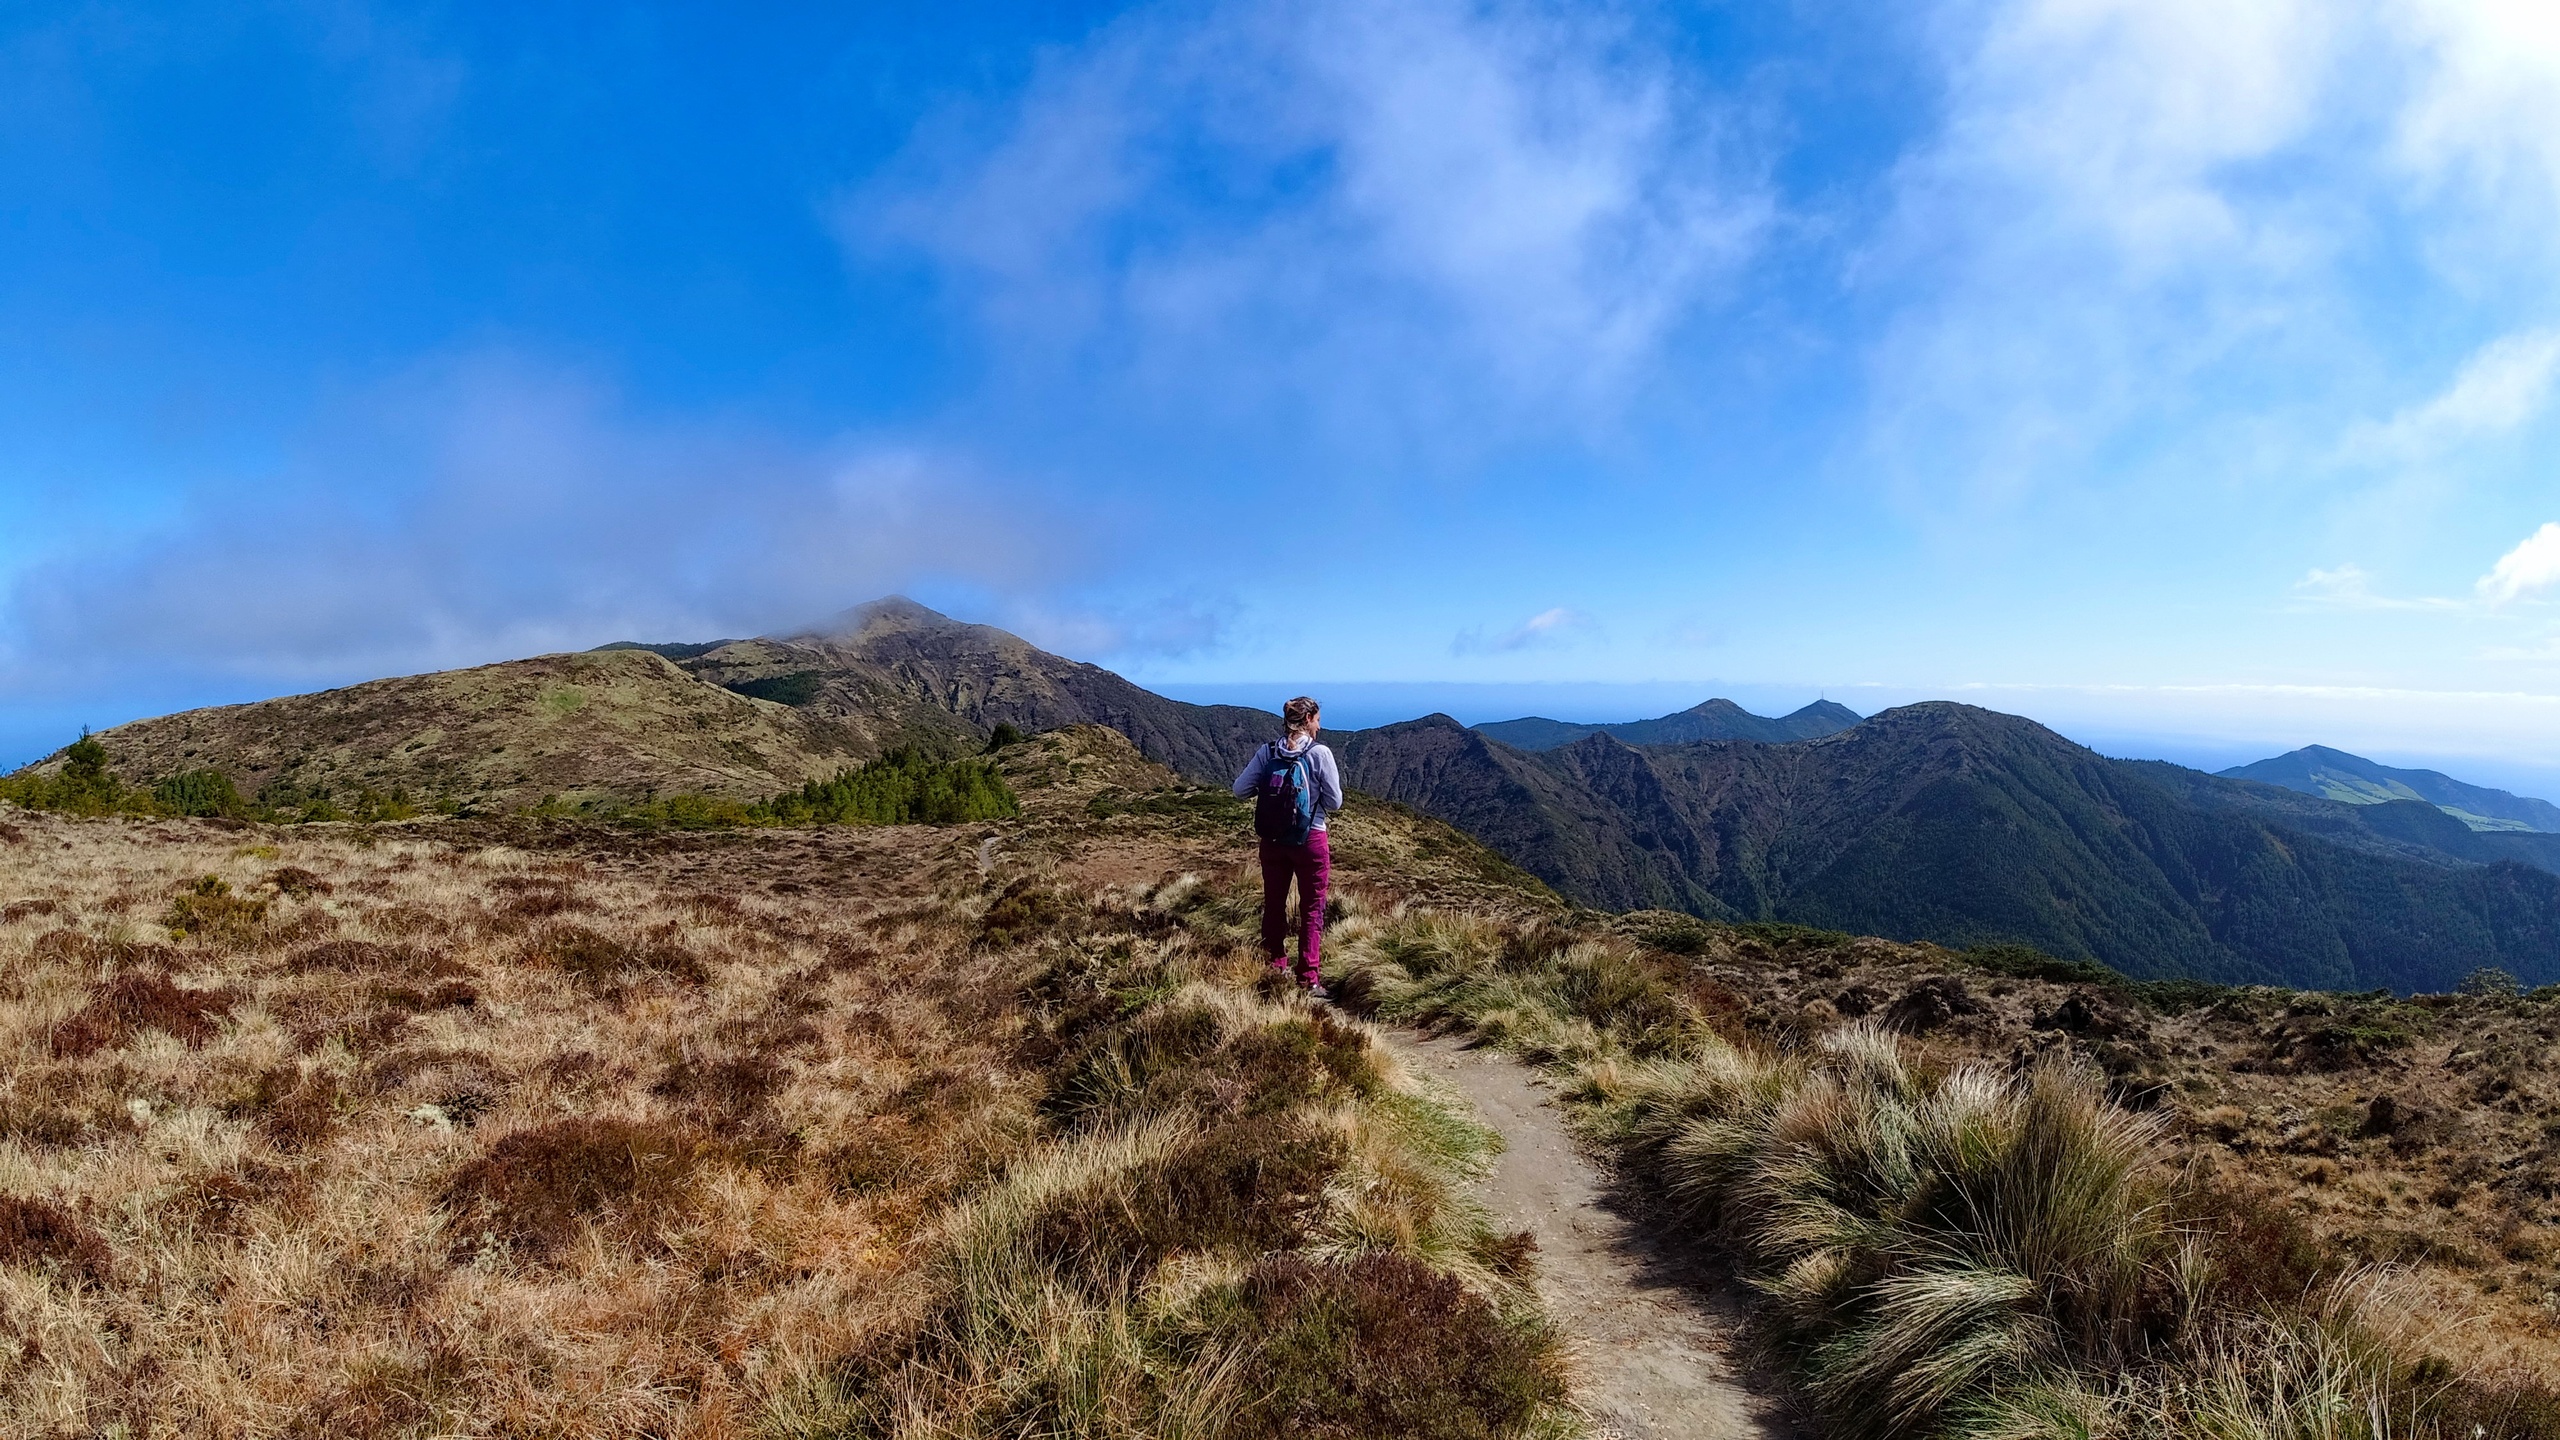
[{"x": 2179, "y": 373}]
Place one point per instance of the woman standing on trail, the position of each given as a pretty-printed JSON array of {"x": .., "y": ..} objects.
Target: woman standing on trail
[{"x": 1295, "y": 786}]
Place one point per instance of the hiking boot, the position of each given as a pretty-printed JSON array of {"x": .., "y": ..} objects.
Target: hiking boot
[{"x": 1316, "y": 991}]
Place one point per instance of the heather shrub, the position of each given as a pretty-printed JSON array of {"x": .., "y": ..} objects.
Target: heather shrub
[
  {"x": 298, "y": 883},
  {"x": 294, "y": 1109},
  {"x": 1384, "y": 1345},
  {"x": 601, "y": 960},
  {"x": 1183, "y": 1056},
  {"x": 139, "y": 1000},
  {"x": 534, "y": 1188},
  {"x": 39, "y": 1234},
  {"x": 1024, "y": 910},
  {"x": 1252, "y": 1185},
  {"x": 730, "y": 1087}
]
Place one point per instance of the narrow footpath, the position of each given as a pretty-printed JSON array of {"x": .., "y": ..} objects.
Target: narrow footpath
[{"x": 1652, "y": 1337}]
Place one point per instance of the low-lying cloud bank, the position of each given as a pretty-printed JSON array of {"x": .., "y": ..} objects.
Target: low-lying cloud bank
[{"x": 494, "y": 506}]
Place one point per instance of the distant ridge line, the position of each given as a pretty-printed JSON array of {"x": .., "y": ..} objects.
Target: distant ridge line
[{"x": 1717, "y": 719}]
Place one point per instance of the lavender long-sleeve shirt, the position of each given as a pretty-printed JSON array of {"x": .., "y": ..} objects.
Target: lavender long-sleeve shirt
[{"x": 1320, "y": 769}]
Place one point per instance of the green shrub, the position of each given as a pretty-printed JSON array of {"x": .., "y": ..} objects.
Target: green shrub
[
  {"x": 903, "y": 787},
  {"x": 2491, "y": 983},
  {"x": 199, "y": 793},
  {"x": 2177, "y": 997},
  {"x": 84, "y": 785},
  {"x": 2026, "y": 962},
  {"x": 798, "y": 688},
  {"x": 209, "y": 911},
  {"x": 1779, "y": 935}
]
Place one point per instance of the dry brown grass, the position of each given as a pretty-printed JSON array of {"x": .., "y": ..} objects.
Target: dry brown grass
[
  {"x": 536, "y": 1130},
  {"x": 388, "y": 1154}
]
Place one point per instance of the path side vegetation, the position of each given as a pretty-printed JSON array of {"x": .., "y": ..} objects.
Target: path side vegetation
[{"x": 1943, "y": 1248}]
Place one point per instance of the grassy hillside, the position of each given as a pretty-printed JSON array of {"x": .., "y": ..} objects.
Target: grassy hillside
[
  {"x": 894, "y": 667},
  {"x": 618, "y": 724},
  {"x": 1998, "y": 1194},
  {"x": 532, "y": 1127}
]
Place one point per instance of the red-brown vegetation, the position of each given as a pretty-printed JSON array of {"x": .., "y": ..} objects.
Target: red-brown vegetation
[
  {"x": 35, "y": 1232},
  {"x": 1382, "y": 1345},
  {"x": 140, "y": 1000},
  {"x": 534, "y": 1187}
]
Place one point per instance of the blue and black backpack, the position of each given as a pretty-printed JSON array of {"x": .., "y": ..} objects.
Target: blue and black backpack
[{"x": 1284, "y": 808}]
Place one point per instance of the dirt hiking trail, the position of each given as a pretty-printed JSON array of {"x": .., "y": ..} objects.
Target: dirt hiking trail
[{"x": 1653, "y": 1337}]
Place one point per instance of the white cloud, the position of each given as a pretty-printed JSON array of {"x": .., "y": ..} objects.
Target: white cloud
[
  {"x": 2124, "y": 117},
  {"x": 2348, "y": 587},
  {"x": 2092, "y": 229},
  {"x": 2484, "y": 111},
  {"x": 2501, "y": 388},
  {"x": 2187, "y": 234},
  {"x": 1546, "y": 630},
  {"x": 2529, "y": 569},
  {"x": 1426, "y": 213}
]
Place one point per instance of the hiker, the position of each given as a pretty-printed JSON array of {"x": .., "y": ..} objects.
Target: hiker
[{"x": 1295, "y": 786}]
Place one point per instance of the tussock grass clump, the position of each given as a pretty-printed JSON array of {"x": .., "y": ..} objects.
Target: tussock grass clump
[{"x": 1937, "y": 1246}]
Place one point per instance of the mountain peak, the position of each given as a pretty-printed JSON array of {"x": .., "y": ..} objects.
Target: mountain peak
[
  {"x": 2337, "y": 775},
  {"x": 888, "y": 615}
]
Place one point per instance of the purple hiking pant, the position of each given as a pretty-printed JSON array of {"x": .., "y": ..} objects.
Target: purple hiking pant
[{"x": 1311, "y": 865}]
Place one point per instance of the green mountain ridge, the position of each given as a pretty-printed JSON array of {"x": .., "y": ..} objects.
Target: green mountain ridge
[
  {"x": 2354, "y": 780},
  {"x": 1964, "y": 826}
]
